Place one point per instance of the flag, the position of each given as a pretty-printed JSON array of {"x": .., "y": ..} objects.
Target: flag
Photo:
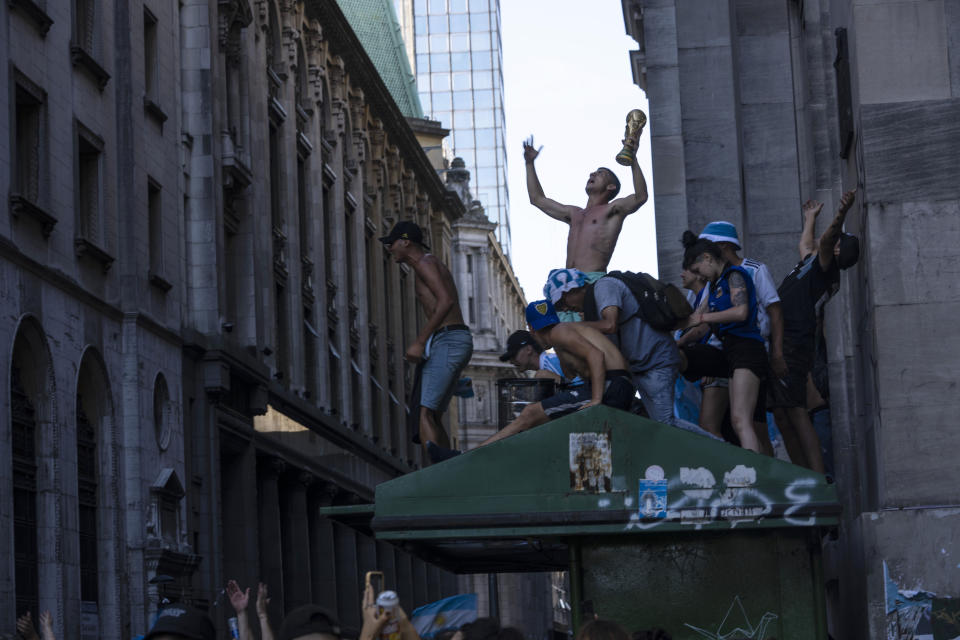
[{"x": 449, "y": 613}]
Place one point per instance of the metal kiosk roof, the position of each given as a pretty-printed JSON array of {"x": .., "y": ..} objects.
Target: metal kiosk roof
[{"x": 513, "y": 505}]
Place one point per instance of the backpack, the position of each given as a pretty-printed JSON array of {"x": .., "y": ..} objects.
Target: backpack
[{"x": 663, "y": 306}]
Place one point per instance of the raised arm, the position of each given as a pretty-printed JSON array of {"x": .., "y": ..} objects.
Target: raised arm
[
  {"x": 608, "y": 320},
  {"x": 240, "y": 599},
  {"x": 263, "y": 599},
  {"x": 811, "y": 209},
  {"x": 829, "y": 238},
  {"x": 550, "y": 207},
  {"x": 628, "y": 204}
]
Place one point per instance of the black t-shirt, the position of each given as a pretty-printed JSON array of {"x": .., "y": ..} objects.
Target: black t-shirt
[{"x": 801, "y": 292}]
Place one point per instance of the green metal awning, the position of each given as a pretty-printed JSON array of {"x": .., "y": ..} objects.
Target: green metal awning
[{"x": 514, "y": 504}]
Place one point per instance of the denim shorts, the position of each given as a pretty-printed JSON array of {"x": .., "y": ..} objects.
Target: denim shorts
[{"x": 449, "y": 353}]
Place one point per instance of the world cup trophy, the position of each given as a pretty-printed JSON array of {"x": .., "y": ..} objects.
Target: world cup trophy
[{"x": 636, "y": 120}]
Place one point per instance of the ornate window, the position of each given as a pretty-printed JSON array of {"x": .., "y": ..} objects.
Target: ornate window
[{"x": 24, "y": 449}]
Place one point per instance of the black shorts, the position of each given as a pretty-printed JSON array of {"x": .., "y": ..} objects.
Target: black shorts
[
  {"x": 704, "y": 360},
  {"x": 745, "y": 353},
  {"x": 791, "y": 391},
  {"x": 618, "y": 393}
]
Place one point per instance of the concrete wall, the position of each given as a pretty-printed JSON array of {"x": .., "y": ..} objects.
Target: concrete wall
[{"x": 744, "y": 127}]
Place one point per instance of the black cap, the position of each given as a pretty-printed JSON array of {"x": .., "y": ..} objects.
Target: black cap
[
  {"x": 405, "y": 230},
  {"x": 182, "y": 620},
  {"x": 516, "y": 341},
  {"x": 849, "y": 251},
  {"x": 309, "y": 618}
]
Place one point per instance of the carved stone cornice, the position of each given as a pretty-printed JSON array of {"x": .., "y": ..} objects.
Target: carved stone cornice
[
  {"x": 231, "y": 12},
  {"x": 313, "y": 38},
  {"x": 289, "y": 41},
  {"x": 337, "y": 76}
]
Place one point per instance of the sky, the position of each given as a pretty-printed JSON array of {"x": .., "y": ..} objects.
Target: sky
[{"x": 567, "y": 81}]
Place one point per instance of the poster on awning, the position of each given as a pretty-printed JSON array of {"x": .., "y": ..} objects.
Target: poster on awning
[{"x": 591, "y": 462}]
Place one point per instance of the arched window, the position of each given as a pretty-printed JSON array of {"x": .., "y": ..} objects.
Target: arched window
[
  {"x": 161, "y": 412},
  {"x": 87, "y": 488},
  {"x": 24, "y": 449}
]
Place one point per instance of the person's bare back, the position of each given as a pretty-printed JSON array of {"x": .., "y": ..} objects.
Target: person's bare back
[
  {"x": 594, "y": 229},
  {"x": 565, "y": 334}
]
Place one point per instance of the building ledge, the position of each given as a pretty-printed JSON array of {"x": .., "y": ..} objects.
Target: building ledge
[
  {"x": 21, "y": 206},
  {"x": 160, "y": 282},
  {"x": 81, "y": 58},
  {"x": 35, "y": 12},
  {"x": 87, "y": 249},
  {"x": 154, "y": 111}
]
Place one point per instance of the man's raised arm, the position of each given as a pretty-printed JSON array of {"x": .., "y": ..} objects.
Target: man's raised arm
[
  {"x": 811, "y": 209},
  {"x": 832, "y": 234},
  {"x": 550, "y": 207},
  {"x": 628, "y": 204}
]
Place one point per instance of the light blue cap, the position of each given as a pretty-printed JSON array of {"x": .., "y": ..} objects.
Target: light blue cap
[{"x": 721, "y": 231}]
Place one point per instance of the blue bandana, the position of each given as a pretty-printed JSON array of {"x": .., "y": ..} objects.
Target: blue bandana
[{"x": 562, "y": 280}]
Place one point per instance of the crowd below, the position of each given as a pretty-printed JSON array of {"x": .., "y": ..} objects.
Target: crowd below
[{"x": 177, "y": 621}]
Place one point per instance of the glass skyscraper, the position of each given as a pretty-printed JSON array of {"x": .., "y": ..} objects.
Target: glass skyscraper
[{"x": 457, "y": 61}]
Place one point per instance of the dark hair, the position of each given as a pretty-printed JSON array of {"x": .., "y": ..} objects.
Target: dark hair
[
  {"x": 616, "y": 182},
  {"x": 481, "y": 629},
  {"x": 602, "y": 630},
  {"x": 652, "y": 634},
  {"x": 510, "y": 633},
  {"x": 695, "y": 247}
]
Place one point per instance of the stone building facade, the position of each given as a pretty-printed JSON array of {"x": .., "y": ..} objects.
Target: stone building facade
[
  {"x": 756, "y": 107},
  {"x": 202, "y": 337}
]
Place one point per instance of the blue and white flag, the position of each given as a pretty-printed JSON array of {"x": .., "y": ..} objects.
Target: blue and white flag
[{"x": 449, "y": 613}]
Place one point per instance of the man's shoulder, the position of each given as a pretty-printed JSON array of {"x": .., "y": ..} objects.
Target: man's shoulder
[
  {"x": 610, "y": 286},
  {"x": 754, "y": 266}
]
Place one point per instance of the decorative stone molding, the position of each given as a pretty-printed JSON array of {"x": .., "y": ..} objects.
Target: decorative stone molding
[
  {"x": 313, "y": 38},
  {"x": 291, "y": 37},
  {"x": 231, "y": 12}
]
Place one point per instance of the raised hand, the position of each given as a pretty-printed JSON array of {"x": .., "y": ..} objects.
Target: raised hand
[
  {"x": 529, "y": 152},
  {"x": 239, "y": 599},
  {"x": 262, "y": 599},
  {"x": 46, "y": 626},
  {"x": 846, "y": 200},
  {"x": 373, "y": 619},
  {"x": 25, "y": 627},
  {"x": 811, "y": 208}
]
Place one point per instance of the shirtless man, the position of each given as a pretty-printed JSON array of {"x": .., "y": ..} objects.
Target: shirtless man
[
  {"x": 594, "y": 229},
  {"x": 444, "y": 343},
  {"x": 584, "y": 351}
]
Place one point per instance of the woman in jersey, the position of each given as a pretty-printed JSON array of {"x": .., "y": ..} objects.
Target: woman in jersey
[{"x": 732, "y": 316}]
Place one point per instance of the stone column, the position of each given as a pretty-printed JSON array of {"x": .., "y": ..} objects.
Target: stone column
[
  {"x": 323, "y": 570},
  {"x": 482, "y": 276},
  {"x": 271, "y": 558},
  {"x": 296, "y": 539}
]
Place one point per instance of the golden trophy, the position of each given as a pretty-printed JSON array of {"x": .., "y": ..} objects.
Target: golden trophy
[{"x": 636, "y": 120}]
